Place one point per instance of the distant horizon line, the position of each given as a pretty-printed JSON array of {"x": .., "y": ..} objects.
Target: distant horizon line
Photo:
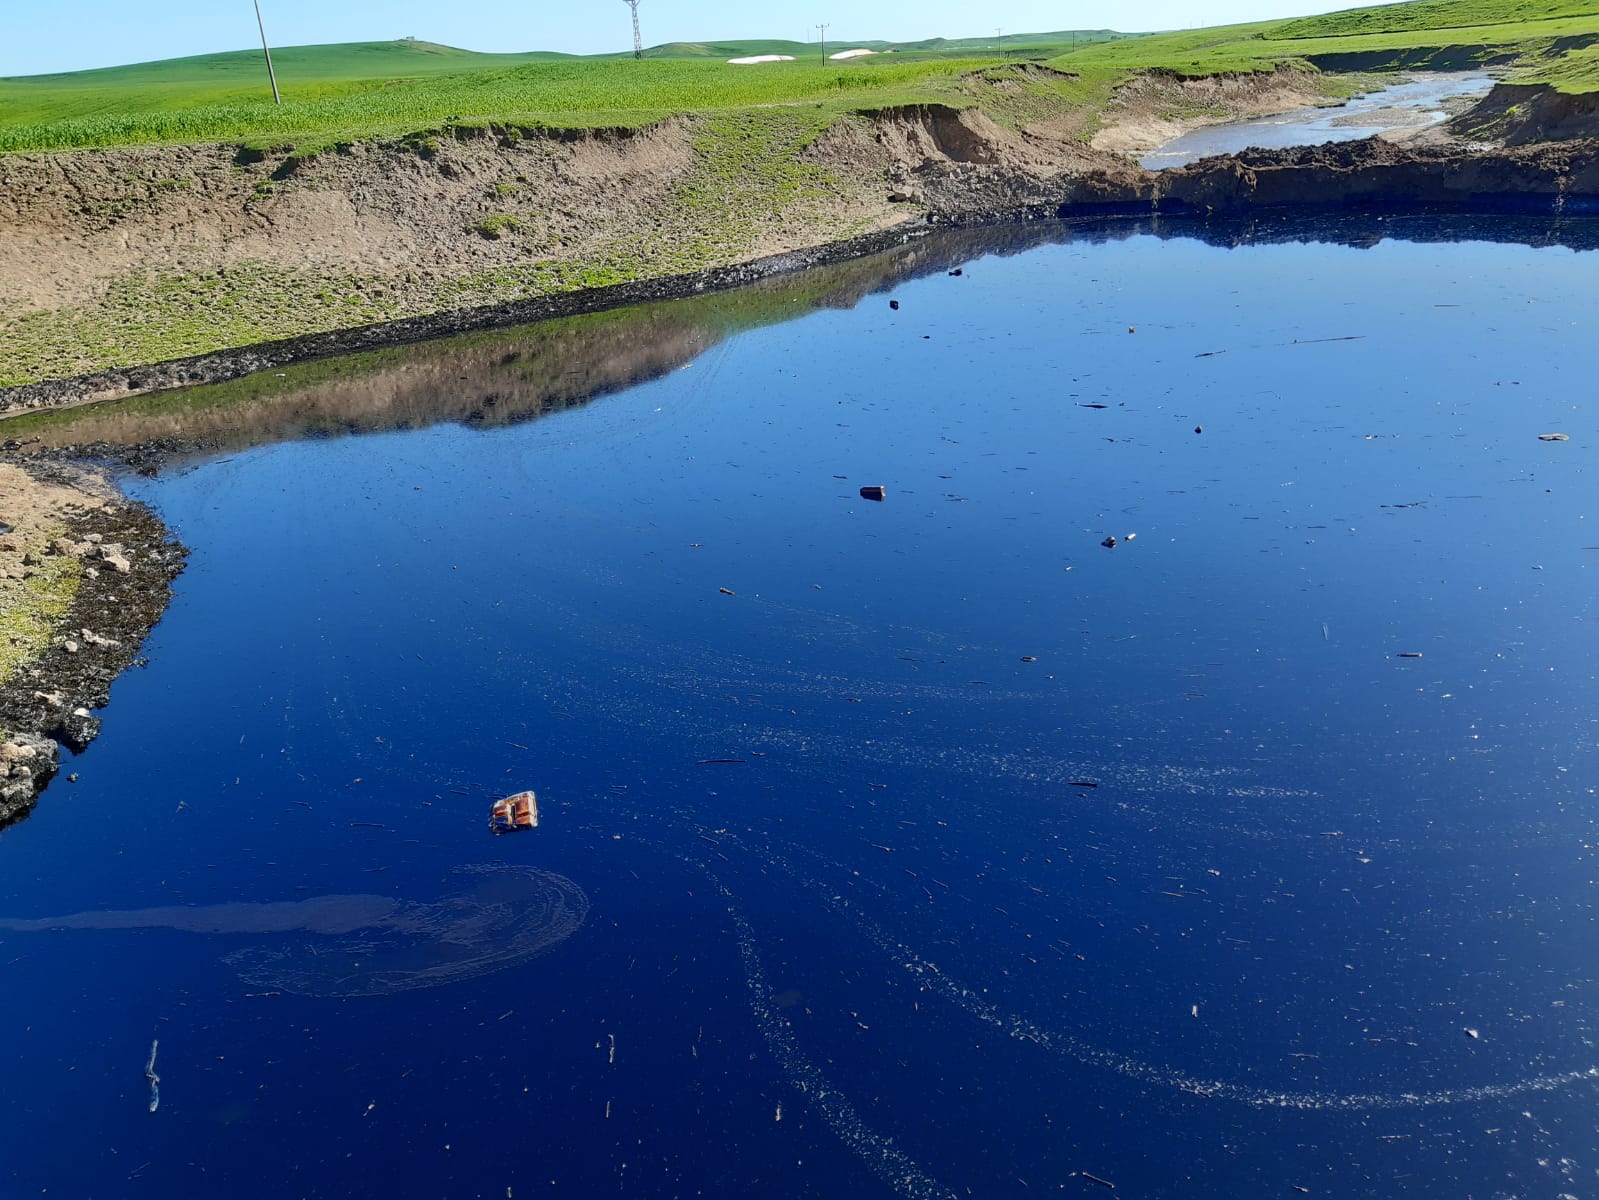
[{"x": 623, "y": 52}]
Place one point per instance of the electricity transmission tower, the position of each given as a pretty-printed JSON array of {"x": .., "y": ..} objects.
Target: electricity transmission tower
[{"x": 638, "y": 42}]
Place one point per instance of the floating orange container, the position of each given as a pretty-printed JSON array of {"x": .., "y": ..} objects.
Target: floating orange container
[{"x": 520, "y": 811}]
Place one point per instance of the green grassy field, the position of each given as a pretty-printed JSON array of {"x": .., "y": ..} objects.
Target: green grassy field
[
  {"x": 377, "y": 89},
  {"x": 343, "y": 92},
  {"x": 1529, "y": 28},
  {"x": 572, "y": 93}
]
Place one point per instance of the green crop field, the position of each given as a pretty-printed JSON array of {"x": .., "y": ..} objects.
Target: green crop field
[
  {"x": 323, "y": 105},
  {"x": 343, "y": 93}
]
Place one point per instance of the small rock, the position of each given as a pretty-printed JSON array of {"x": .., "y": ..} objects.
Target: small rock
[
  {"x": 894, "y": 304},
  {"x": 11, "y": 752},
  {"x": 1473, "y": 1034},
  {"x": 1109, "y": 543},
  {"x": 957, "y": 271},
  {"x": 1554, "y": 437},
  {"x": 874, "y": 491},
  {"x": 70, "y": 646},
  {"x": 78, "y": 729},
  {"x": 96, "y": 539},
  {"x": 1199, "y": 429},
  {"x": 1029, "y": 658}
]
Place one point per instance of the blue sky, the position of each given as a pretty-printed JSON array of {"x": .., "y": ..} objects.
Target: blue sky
[{"x": 69, "y": 35}]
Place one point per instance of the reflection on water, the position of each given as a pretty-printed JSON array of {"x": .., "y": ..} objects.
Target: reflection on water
[
  {"x": 507, "y": 376},
  {"x": 1413, "y": 104},
  {"x": 930, "y": 847}
]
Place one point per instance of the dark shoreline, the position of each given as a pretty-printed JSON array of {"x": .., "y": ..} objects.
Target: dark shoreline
[{"x": 50, "y": 703}]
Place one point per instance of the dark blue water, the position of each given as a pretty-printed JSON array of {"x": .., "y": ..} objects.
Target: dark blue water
[{"x": 1157, "y": 863}]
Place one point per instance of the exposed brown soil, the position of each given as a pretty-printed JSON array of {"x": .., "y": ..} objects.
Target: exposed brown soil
[
  {"x": 71, "y": 222},
  {"x": 1523, "y": 114}
]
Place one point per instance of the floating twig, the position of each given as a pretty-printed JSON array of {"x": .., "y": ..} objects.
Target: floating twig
[{"x": 155, "y": 1080}]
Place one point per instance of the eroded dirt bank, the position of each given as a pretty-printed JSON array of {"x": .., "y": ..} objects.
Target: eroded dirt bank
[
  {"x": 1523, "y": 114},
  {"x": 876, "y": 180}
]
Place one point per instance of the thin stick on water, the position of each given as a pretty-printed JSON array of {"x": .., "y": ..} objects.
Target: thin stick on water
[{"x": 155, "y": 1080}]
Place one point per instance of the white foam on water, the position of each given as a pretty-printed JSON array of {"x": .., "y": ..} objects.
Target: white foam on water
[
  {"x": 933, "y": 979},
  {"x": 886, "y": 1160}
]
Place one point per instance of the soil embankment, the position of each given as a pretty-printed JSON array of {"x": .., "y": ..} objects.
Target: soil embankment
[{"x": 1525, "y": 114}]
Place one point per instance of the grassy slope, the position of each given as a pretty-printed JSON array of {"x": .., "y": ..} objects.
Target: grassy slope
[
  {"x": 569, "y": 93},
  {"x": 1525, "y": 26}
]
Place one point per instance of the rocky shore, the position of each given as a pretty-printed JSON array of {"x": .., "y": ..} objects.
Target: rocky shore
[{"x": 84, "y": 576}]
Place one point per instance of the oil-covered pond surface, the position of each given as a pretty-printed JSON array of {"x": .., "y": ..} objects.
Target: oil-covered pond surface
[
  {"x": 1412, "y": 104},
  {"x": 925, "y": 847}
]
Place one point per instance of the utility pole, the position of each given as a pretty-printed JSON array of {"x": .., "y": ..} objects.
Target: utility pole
[
  {"x": 999, "y": 36},
  {"x": 823, "y": 29},
  {"x": 267, "y": 50},
  {"x": 638, "y": 42}
]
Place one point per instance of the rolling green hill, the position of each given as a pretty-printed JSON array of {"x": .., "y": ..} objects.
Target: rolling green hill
[
  {"x": 343, "y": 92},
  {"x": 239, "y": 77},
  {"x": 570, "y": 93},
  {"x": 1439, "y": 33},
  {"x": 346, "y": 92}
]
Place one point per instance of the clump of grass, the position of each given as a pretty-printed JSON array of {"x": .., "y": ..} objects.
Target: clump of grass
[{"x": 498, "y": 225}]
